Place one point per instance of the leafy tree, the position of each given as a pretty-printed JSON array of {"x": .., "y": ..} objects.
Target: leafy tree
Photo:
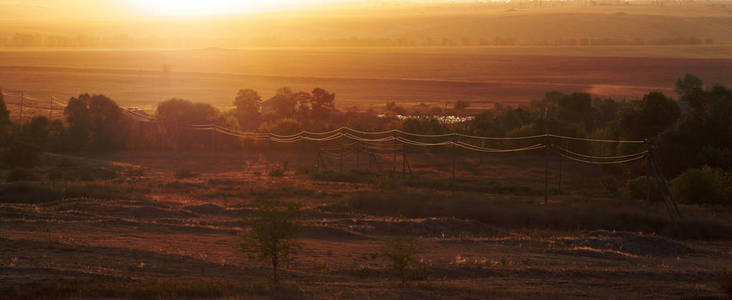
[
  {"x": 648, "y": 117},
  {"x": 271, "y": 232},
  {"x": 401, "y": 252},
  {"x": 248, "y": 108},
  {"x": 397, "y": 109},
  {"x": 282, "y": 126},
  {"x": 176, "y": 116},
  {"x": 702, "y": 135},
  {"x": 322, "y": 103},
  {"x": 95, "y": 123},
  {"x": 79, "y": 120}
]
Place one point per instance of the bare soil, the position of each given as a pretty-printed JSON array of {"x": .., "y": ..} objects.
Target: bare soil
[{"x": 187, "y": 229}]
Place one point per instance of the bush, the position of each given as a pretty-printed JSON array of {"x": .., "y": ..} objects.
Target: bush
[
  {"x": 699, "y": 186},
  {"x": 27, "y": 192},
  {"x": 21, "y": 155},
  {"x": 401, "y": 252},
  {"x": 20, "y": 175},
  {"x": 637, "y": 189},
  {"x": 272, "y": 229},
  {"x": 184, "y": 173}
]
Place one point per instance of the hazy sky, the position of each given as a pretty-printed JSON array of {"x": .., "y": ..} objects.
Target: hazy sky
[{"x": 115, "y": 9}]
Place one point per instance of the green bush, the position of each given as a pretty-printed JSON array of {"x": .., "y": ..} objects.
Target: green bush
[
  {"x": 637, "y": 189},
  {"x": 272, "y": 231},
  {"x": 401, "y": 253},
  {"x": 702, "y": 186},
  {"x": 20, "y": 175}
]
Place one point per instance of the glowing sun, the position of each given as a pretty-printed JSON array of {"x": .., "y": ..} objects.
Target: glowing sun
[{"x": 202, "y": 8}]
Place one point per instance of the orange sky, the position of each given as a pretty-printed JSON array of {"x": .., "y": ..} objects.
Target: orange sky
[{"x": 123, "y": 9}]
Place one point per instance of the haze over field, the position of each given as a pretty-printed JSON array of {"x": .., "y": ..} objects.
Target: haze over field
[
  {"x": 318, "y": 23},
  {"x": 375, "y": 149}
]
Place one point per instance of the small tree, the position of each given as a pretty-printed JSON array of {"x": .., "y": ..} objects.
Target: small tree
[
  {"x": 401, "y": 252},
  {"x": 271, "y": 233}
]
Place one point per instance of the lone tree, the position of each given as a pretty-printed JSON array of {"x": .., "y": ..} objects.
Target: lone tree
[
  {"x": 248, "y": 108},
  {"x": 271, "y": 233}
]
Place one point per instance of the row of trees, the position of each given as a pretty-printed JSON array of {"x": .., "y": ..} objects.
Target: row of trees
[
  {"x": 696, "y": 130},
  {"x": 24, "y": 40}
]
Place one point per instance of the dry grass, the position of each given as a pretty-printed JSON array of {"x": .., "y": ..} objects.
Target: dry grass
[{"x": 517, "y": 214}]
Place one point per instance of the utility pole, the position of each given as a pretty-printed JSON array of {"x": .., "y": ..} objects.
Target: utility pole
[
  {"x": 453, "y": 160},
  {"x": 647, "y": 204},
  {"x": 21, "y": 109},
  {"x": 393, "y": 168},
  {"x": 358, "y": 152},
  {"x": 404, "y": 161},
  {"x": 546, "y": 170},
  {"x": 50, "y": 108},
  {"x": 340, "y": 164}
]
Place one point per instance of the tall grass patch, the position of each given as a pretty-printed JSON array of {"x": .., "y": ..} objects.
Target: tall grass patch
[{"x": 516, "y": 214}]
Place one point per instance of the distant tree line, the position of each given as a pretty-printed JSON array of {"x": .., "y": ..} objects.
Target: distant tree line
[
  {"x": 28, "y": 40},
  {"x": 694, "y": 131}
]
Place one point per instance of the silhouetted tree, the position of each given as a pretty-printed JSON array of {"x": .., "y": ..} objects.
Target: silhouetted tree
[
  {"x": 248, "y": 108},
  {"x": 176, "y": 117},
  {"x": 322, "y": 102},
  {"x": 646, "y": 118}
]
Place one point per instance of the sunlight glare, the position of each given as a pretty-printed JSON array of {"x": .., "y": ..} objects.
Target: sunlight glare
[{"x": 202, "y": 8}]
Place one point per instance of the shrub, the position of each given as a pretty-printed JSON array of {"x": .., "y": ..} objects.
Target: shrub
[
  {"x": 272, "y": 229},
  {"x": 20, "y": 175},
  {"x": 27, "y": 192},
  {"x": 697, "y": 186},
  {"x": 637, "y": 189},
  {"x": 21, "y": 155},
  {"x": 401, "y": 252},
  {"x": 184, "y": 173}
]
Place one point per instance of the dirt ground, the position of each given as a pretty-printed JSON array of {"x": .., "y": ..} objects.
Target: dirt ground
[{"x": 163, "y": 227}]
